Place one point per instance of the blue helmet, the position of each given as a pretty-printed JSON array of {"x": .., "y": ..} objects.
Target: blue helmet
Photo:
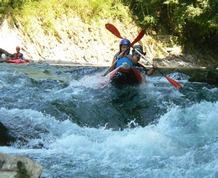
[{"x": 125, "y": 41}]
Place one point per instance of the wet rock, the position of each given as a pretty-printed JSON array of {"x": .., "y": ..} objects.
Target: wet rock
[
  {"x": 13, "y": 166},
  {"x": 5, "y": 138},
  {"x": 210, "y": 77}
]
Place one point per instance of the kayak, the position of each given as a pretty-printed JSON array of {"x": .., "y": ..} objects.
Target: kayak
[
  {"x": 125, "y": 75},
  {"x": 18, "y": 61}
]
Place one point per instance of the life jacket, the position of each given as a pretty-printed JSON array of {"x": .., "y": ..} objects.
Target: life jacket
[
  {"x": 122, "y": 60},
  {"x": 17, "y": 55}
]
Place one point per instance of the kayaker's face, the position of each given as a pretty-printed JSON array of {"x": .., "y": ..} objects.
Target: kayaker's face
[
  {"x": 124, "y": 48},
  {"x": 137, "y": 55}
]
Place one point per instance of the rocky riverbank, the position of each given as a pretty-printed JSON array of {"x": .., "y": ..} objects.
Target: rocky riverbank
[{"x": 75, "y": 42}]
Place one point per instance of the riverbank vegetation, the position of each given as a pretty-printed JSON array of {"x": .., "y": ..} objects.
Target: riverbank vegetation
[
  {"x": 88, "y": 9},
  {"x": 192, "y": 24}
]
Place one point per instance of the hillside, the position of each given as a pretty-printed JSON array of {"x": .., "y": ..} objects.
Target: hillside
[
  {"x": 74, "y": 41},
  {"x": 58, "y": 35},
  {"x": 77, "y": 42}
]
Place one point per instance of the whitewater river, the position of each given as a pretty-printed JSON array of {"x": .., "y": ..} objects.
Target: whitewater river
[{"x": 67, "y": 119}]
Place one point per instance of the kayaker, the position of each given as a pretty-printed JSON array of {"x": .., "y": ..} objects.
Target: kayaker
[
  {"x": 18, "y": 54},
  {"x": 137, "y": 57},
  {"x": 122, "y": 56}
]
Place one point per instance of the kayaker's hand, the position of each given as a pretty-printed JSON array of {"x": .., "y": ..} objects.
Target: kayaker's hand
[
  {"x": 120, "y": 55},
  {"x": 126, "y": 52},
  {"x": 155, "y": 67}
]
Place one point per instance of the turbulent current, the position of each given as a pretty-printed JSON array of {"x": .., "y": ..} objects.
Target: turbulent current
[{"x": 74, "y": 123}]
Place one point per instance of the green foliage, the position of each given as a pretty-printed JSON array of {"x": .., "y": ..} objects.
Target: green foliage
[
  {"x": 47, "y": 11},
  {"x": 194, "y": 22},
  {"x": 86, "y": 9},
  {"x": 143, "y": 12},
  {"x": 148, "y": 21}
]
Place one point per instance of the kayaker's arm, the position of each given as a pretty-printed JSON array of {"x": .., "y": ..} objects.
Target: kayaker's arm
[
  {"x": 115, "y": 57},
  {"x": 152, "y": 70},
  {"x": 148, "y": 72},
  {"x": 112, "y": 67}
]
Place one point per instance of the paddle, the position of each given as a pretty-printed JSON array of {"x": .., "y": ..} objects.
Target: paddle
[
  {"x": 173, "y": 82},
  {"x": 138, "y": 38},
  {"x": 115, "y": 31}
]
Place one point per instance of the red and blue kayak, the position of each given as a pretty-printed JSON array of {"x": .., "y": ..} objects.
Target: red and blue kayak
[
  {"x": 125, "y": 75},
  {"x": 18, "y": 61}
]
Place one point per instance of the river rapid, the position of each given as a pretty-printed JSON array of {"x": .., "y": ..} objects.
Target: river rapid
[{"x": 75, "y": 124}]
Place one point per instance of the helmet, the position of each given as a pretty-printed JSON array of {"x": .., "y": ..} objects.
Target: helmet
[
  {"x": 125, "y": 41},
  {"x": 4, "y": 56},
  {"x": 139, "y": 48}
]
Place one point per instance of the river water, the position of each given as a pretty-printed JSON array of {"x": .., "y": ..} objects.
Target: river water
[{"x": 68, "y": 119}]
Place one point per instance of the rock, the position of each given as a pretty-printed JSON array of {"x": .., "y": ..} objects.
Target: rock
[
  {"x": 5, "y": 138},
  {"x": 209, "y": 76},
  {"x": 15, "y": 166}
]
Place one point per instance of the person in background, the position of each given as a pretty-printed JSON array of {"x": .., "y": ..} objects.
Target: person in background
[
  {"x": 18, "y": 54},
  {"x": 136, "y": 56},
  {"x": 122, "y": 56}
]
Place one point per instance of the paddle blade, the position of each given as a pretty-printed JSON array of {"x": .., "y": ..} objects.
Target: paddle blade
[
  {"x": 173, "y": 82},
  {"x": 113, "y": 30},
  {"x": 139, "y": 37}
]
